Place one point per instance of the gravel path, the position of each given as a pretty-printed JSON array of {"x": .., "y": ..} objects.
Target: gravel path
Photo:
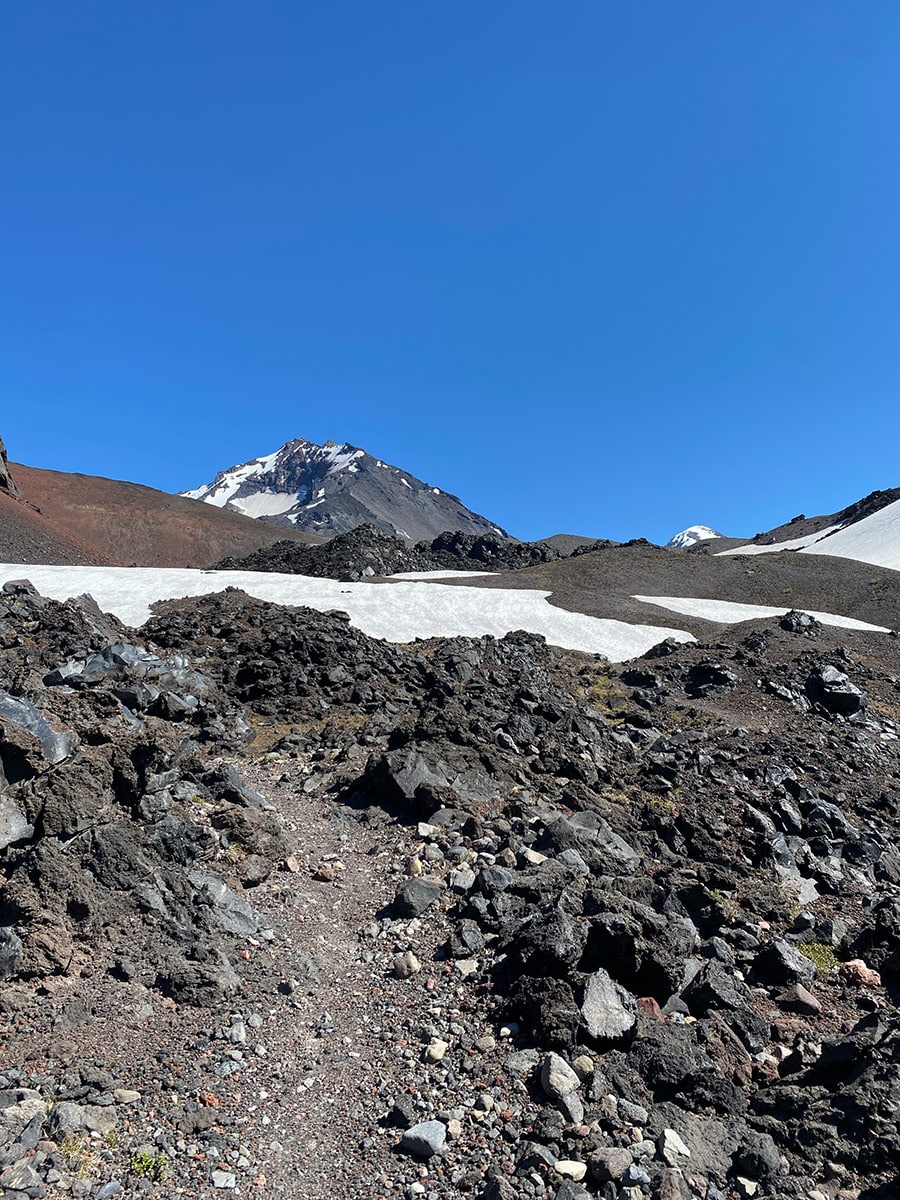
[
  {"x": 354, "y": 1038},
  {"x": 288, "y": 1090}
]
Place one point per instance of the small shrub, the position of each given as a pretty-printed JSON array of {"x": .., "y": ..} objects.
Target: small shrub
[
  {"x": 823, "y": 956},
  {"x": 149, "y": 1165},
  {"x": 79, "y": 1157}
]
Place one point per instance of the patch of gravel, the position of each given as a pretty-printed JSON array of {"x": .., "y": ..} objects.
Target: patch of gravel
[{"x": 287, "y": 1089}]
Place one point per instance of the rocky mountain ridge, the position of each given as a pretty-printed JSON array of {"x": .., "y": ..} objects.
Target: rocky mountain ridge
[
  {"x": 331, "y": 489},
  {"x": 71, "y": 518}
]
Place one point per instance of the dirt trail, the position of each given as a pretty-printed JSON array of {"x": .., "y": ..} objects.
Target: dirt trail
[
  {"x": 327, "y": 1038},
  {"x": 284, "y": 1087},
  {"x": 351, "y": 1039}
]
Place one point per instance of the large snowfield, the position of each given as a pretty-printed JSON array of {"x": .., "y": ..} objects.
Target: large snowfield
[
  {"x": 397, "y": 612},
  {"x": 874, "y": 540},
  {"x": 800, "y": 543}
]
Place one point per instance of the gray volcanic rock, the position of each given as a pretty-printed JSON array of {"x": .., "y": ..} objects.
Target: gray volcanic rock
[
  {"x": 13, "y": 825},
  {"x": 331, "y": 489},
  {"x": 366, "y": 551},
  {"x": 557, "y": 1078},
  {"x": 593, "y": 855},
  {"x": 425, "y": 1139},
  {"x": 415, "y": 896},
  {"x": 7, "y": 483},
  {"x": 101, "y": 752},
  {"x": 832, "y": 688}
]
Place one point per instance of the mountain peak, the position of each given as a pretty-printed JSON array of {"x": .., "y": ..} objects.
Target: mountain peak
[
  {"x": 691, "y": 536},
  {"x": 331, "y": 488}
]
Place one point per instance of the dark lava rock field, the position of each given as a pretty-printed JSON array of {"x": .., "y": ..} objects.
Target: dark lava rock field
[
  {"x": 366, "y": 551},
  {"x": 674, "y": 884}
]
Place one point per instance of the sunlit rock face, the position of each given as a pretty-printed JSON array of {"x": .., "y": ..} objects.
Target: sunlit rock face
[{"x": 7, "y": 483}]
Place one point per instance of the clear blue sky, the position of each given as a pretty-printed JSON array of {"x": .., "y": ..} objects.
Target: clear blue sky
[{"x": 609, "y": 268}]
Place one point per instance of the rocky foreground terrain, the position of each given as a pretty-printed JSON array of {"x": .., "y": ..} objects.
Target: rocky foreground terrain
[{"x": 288, "y": 911}]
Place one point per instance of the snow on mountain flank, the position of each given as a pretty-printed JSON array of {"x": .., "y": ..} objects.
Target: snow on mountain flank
[
  {"x": 691, "y": 536},
  {"x": 227, "y": 483},
  {"x": 874, "y": 539},
  {"x": 397, "y": 612},
  {"x": 265, "y": 504},
  {"x": 800, "y": 543}
]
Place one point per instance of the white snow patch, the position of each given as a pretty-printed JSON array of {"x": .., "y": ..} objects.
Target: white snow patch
[
  {"x": 400, "y": 612},
  {"x": 405, "y": 482},
  {"x": 450, "y": 573},
  {"x": 340, "y": 457},
  {"x": 800, "y": 543},
  {"x": 221, "y": 490},
  {"x": 874, "y": 540},
  {"x": 436, "y": 491},
  {"x": 265, "y": 504},
  {"x": 729, "y": 612}
]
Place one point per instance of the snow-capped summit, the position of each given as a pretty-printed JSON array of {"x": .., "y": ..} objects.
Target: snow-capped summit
[
  {"x": 330, "y": 489},
  {"x": 691, "y": 536}
]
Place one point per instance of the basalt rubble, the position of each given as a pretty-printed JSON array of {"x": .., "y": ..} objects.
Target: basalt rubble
[
  {"x": 365, "y": 551},
  {"x": 642, "y": 922}
]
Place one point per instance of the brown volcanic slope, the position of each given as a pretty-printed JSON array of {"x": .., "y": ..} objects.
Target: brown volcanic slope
[
  {"x": 132, "y": 524},
  {"x": 27, "y": 536}
]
